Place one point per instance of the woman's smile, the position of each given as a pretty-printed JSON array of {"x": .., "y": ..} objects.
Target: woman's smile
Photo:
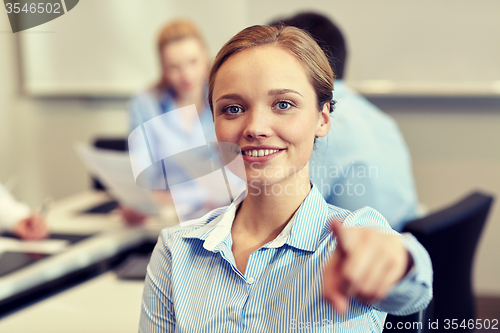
[{"x": 260, "y": 154}]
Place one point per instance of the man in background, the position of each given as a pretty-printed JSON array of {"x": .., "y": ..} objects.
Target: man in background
[{"x": 364, "y": 160}]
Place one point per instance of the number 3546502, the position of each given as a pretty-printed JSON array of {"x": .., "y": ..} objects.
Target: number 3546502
[
  {"x": 33, "y": 8},
  {"x": 471, "y": 324}
]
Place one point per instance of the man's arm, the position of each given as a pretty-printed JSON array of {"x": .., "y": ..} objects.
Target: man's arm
[{"x": 11, "y": 210}]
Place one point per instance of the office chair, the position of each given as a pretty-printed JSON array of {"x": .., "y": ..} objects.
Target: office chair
[
  {"x": 120, "y": 144},
  {"x": 450, "y": 236}
]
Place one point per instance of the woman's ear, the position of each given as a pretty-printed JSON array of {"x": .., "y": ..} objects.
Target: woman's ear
[{"x": 324, "y": 121}]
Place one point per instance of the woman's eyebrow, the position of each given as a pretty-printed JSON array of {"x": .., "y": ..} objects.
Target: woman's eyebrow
[
  {"x": 275, "y": 92},
  {"x": 229, "y": 96}
]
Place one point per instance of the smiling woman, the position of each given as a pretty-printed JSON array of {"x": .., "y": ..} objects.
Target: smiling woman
[
  {"x": 265, "y": 104},
  {"x": 270, "y": 262}
]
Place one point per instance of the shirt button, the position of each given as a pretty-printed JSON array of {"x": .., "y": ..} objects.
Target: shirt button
[{"x": 250, "y": 280}]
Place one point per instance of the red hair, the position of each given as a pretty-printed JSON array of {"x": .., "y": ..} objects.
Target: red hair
[{"x": 175, "y": 31}]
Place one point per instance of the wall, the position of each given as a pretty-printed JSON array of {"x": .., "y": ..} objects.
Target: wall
[
  {"x": 7, "y": 90},
  {"x": 455, "y": 150},
  {"x": 433, "y": 45},
  {"x": 37, "y": 135}
]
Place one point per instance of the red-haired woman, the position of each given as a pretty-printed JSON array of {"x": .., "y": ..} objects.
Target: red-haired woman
[{"x": 185, "y": 63}]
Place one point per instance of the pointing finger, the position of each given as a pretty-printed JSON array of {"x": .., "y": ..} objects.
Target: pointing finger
[{"x": 332, "y": 285}]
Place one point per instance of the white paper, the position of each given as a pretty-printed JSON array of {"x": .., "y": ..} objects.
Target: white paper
[
  {"x": 46, "y": 246},
  {"x": 114, "y": 170}
]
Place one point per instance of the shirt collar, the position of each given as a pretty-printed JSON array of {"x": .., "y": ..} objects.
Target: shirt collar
[
  {"x": 216, "y": 231},
  {"x": 166, "y": 98},
  {"x": 310, "y": 222},
  {"x": 304, "y": 231}
]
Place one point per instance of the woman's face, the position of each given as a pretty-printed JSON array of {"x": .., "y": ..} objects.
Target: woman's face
[
  {"x": 185, "y": 65},
  {"x": 263, "y": 102}
]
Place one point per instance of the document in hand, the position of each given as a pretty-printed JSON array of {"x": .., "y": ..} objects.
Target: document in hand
[{"x": 114, "y": 170}]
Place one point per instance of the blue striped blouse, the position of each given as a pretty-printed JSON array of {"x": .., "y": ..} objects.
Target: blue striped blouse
[{"x": 193, "y": 285}]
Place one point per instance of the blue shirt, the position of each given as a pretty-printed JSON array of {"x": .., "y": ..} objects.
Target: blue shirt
[
  {"x": 193, "y": 285},
  {"x": 171, "y": 134},
  {"x": 364, "y": 161},
  {"x": 151, "y": 103}
]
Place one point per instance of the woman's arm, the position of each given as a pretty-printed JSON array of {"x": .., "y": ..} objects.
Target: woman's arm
[
  {"x": 157, "y": 309},
  {"x": 138, "y": 110}
]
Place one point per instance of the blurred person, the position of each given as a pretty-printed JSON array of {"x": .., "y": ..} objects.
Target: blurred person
[
  {"x": 185, "y": 62},
  {"x": 19, "y": 219},
  {"x": 269, "y": 262},
  {"x": 364, "y": 160}
]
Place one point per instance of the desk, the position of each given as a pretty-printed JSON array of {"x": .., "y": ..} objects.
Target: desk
[{"x": 102, "y": 304}]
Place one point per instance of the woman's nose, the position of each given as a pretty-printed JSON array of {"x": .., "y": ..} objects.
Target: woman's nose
[{"x": 258, "y": 124}]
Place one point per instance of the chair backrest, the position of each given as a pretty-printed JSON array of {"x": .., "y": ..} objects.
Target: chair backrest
[
  {"x": 451, "y": 236},
  {"x": 120, "y": 144}
]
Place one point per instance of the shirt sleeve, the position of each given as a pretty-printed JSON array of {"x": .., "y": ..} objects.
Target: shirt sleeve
[
  {"x": 157, "y": 309},
  {"x": 11, "y": 210},
  {"x": 414, "y": 292},
  {"x": 143, "y": 107},
  {"x": 135, "y": 109}
]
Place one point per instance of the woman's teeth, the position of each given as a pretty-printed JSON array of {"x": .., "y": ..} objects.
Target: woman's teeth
[{"x": 260, "y": 152}]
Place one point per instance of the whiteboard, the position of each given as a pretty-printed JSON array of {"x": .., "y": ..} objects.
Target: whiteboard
[
  {"x": 446, "y": 47},
  {"x": 108, "y": 47}
]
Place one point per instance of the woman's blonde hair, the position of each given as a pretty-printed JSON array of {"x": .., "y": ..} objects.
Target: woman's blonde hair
[
  {"x": 175, "y": 31},
  {"x": 296, "y": 41}
]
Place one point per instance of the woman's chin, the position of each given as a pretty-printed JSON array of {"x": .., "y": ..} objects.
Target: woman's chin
[
  {"x": 289, "y": 186},
  {"x": 266, "y": 182}
]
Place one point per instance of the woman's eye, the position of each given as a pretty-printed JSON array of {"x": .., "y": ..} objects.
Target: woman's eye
[
  {"x": 233, "y": 109},
  {"x": 283, "y": 105}
]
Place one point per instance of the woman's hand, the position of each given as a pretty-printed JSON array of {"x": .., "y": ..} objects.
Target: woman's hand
[
  {"x": 366, "y": 264},
  {"x": 32, "y": 228}
]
